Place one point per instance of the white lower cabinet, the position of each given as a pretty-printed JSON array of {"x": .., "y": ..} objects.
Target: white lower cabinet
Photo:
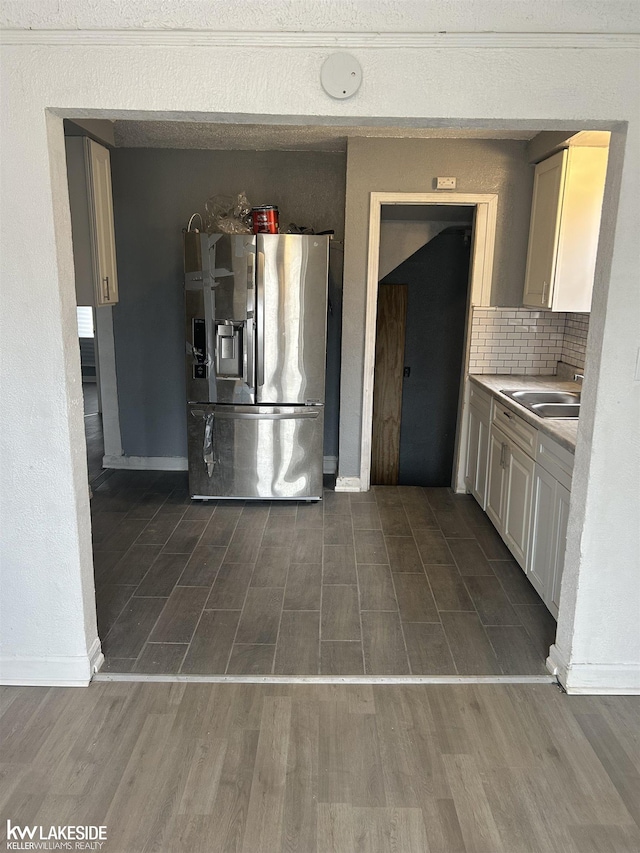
[
  {"x": 496, "y": 477},
  {"x": 517, "y": 502},
  {"x": 522, "y": 479},
  {"x": 563, "y": 497},
  {"x": 549, "y": 513},
  {"x": 509, "y": 487},
  {"x": 478, "y": 445},
  {"x": 542, "y": 516}
]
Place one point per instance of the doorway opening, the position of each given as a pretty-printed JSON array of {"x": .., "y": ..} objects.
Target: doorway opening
[
  {"x": 445, "y": 271},
  {"x": 167, "y": 557},
  {"x": 422, "y": 310}
]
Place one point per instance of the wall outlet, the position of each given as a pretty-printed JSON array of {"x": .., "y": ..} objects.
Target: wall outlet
[{"x": 445, "y": 183}]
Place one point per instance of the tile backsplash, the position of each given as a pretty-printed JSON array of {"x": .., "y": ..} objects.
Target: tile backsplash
[
  {"x": 574, "y": 345},
  {"x": 519, "y": 340}
]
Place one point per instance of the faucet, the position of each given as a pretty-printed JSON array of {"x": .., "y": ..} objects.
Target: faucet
[{"x": 577, "y": 376}]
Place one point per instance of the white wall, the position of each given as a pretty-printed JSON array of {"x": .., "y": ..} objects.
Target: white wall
[{"x": 48, "y": 617}]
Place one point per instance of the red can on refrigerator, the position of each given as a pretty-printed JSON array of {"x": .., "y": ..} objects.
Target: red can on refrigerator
[{"x": 265, "y": 219}]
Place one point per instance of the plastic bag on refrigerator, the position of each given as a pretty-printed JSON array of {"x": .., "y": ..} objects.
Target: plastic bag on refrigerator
[{"x": 228, "y": 214}]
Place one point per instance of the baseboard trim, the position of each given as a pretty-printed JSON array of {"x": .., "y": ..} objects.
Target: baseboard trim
[
  {"x": 556, "y": 664},
  {"x": 329, "y": 464},
  {"x": 146, "y": 463},
  {"x": 348, "y": 484},
  {"x": 594, "y": 679},
  {"x": 71, "y": 671}
]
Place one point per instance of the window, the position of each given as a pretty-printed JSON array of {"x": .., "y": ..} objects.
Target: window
[{"x": 85, "y": 321}]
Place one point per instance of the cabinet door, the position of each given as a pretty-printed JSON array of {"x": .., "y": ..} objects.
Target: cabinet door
[
  {"x": 477, "y": 455},
  {"x": 541, "y": 547},
  {"x": 586, "y": 173},
  {"x": 480, "y": 492},
  {"x": 544, "y": 228},
  {"x": 517, "y": 502},
  {"x": 559, "y": 544},
  {"x": 101, "y": 220},
  {"x": 496, "y": 477},
  {"x": 473, "y": 447}
]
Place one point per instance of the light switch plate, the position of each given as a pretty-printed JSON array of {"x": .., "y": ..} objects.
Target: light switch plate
[{"x": 445, "y": 183}]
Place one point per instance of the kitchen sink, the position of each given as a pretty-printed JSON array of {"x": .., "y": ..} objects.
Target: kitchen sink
[
  {"x": 527, "y": 398},
  {"x": 548, "y": 404},
  {"x": 556, "y": 410}
]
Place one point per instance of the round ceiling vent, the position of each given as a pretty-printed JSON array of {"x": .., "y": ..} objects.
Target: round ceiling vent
[{"x": 341, "y": 75}]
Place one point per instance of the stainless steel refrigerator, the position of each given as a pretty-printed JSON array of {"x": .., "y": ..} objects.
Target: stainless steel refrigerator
[{"x": 256, "y": 311}]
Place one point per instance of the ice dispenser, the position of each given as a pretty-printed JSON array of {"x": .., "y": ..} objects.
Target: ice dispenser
[{"x": 229, "y": 349}]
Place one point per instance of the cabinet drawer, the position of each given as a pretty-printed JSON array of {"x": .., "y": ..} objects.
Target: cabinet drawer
[
  {"x": 481, "y": 400},
  {"x": 557, "y": 460},
  {"x": 514, "y": 427}
]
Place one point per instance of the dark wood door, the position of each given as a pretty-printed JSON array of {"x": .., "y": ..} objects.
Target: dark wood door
[{"x": 387, "y": 387}]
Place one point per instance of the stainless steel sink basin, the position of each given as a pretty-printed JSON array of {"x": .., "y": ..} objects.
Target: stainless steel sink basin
[
  {"x": 548, "y": 404},
  {"x": 527, "y": 398},
  {"x": 556, "y": 410}
]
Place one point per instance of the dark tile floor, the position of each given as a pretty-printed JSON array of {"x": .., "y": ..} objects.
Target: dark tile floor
[{"x": 395, "y": 581}]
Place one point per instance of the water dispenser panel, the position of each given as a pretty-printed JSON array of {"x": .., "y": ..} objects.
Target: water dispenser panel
[{"x": 229, "y": 350}]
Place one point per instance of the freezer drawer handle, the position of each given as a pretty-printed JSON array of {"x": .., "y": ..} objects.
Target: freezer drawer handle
[
  {"x": 207, "y": 445},
  {"x": 272, "y": 416}
]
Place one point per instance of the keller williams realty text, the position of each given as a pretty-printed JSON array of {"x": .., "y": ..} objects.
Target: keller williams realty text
[{"x": 55, "y": 837}]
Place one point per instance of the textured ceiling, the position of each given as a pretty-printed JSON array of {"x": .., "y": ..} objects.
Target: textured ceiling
[{"x": 264, "y": 137}]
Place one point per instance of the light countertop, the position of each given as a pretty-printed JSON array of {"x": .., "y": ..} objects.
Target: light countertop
[{"x": 562, "y": 431}]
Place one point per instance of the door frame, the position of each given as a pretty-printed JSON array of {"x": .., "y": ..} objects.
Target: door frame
[{"x": 480, "y": 279}]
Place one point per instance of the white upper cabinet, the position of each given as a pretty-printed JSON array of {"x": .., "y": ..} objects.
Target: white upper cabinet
[
  {"x": 565, "y": 224},
  {"x": 105, "y": 272},
  {"x": 91, "y": 204}
]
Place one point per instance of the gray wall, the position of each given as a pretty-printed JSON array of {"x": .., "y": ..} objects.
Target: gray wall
[
  {"x": 411, "y": 165},
  {"x": 155, "y": 191}
]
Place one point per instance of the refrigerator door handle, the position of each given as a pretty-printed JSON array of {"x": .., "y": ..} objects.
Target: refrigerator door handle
[
  {"x": 251, "y": 279},
  {"x": 249, "y": 355},
  {"x": 270, "y": 416},
  {"x": 249, "y": 337},
  {"x": 260, "y": 321},
  {"x": 209, "y": 315}
]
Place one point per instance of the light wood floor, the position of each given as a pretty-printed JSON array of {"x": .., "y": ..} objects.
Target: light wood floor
[{"x": 343, "y": 768}]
